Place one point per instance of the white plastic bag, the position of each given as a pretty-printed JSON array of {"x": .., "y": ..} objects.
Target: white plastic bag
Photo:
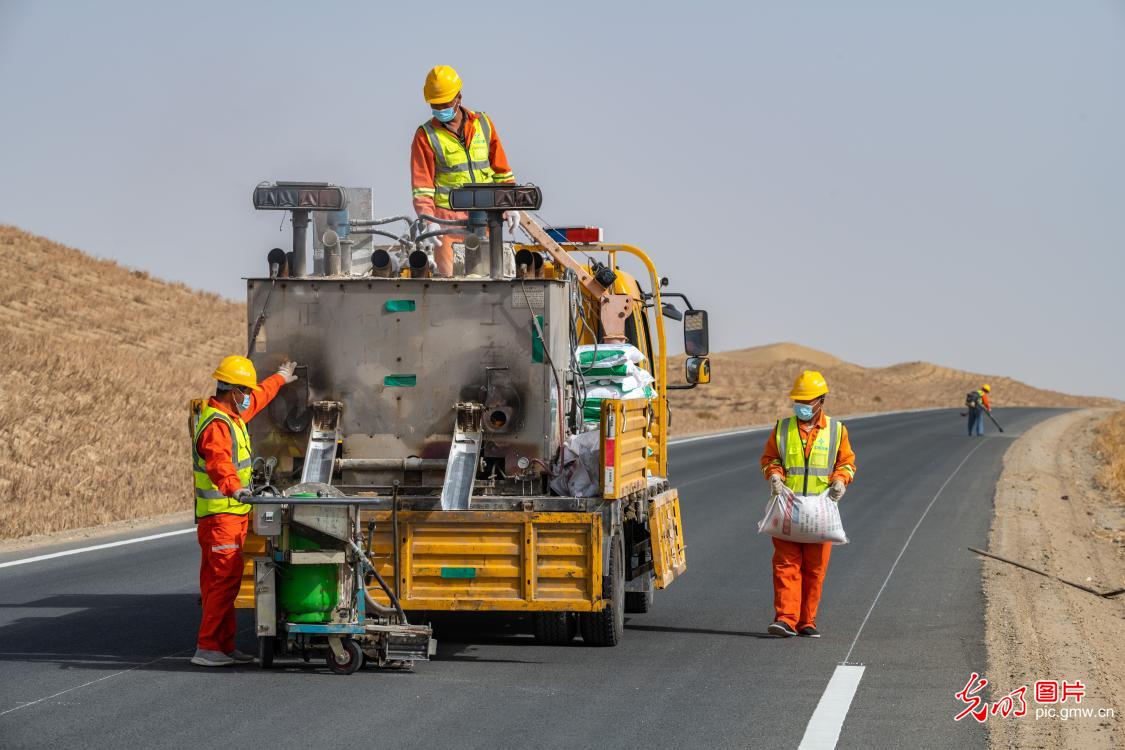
[
  {"x": 580, "y": 466},
  {"x": 803, "y": 518}
]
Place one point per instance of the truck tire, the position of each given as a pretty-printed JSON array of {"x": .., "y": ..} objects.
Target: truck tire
[
  {"x": 554, "y": 628},
  {"x": 639, "y": 602},
  {"x": 606, "y": 628}
]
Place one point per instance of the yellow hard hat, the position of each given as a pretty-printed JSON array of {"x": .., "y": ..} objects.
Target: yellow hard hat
[
  {"x": 810, "y": 384},
  {"x": 442, "y": 85},
  {"x": 986, "y": 388},
  {"x": 237, "y": 370}
]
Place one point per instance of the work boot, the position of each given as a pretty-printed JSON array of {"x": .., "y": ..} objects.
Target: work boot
[
  {"x": 783, "y": 629},
  {"x": 205, "y": 658},
  {"x": 240, "y": 657},
  {"x": 809, "y": 632}
]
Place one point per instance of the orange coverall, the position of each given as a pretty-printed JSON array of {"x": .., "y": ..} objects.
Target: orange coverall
[
  {"x": 221, "y": 535},
  {"x": 799, "y": 568},
  {"x": 422, "y": 173}
]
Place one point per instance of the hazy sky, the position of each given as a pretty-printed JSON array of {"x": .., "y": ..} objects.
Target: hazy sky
[{"x": 886, "y": 181}]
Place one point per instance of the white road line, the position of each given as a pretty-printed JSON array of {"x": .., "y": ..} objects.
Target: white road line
[
  {"x": 93, "y": 682},
  {"x": 80, "y": 550},
  {"x": 828, "y": 719},
  {"x": 894, "y": 565},
  {"x": 824, "y": 726}
]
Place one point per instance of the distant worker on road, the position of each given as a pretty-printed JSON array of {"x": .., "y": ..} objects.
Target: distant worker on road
[
  {"x": 805, "y": 454},
  {"x": 455, "y": 147},
  {"x": 978, "y": 404},
  {"x": 221, "y": 461}
]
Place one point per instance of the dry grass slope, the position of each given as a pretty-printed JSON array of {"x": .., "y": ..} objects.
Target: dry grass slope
[
  {"x": 1110, "y": 448},
  {"x": 99, "y": 362},
  {"x": 749, "y": 386}
]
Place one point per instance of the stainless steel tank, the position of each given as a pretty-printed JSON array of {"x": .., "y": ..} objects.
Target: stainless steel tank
[{"x": 399, "y": 354}]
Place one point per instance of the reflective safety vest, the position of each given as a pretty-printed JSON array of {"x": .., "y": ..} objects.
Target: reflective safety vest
[
  {"x": 209, "y": 500},
  {"x": 456, "y": 163},
  {"x": 807, "y": 477}
]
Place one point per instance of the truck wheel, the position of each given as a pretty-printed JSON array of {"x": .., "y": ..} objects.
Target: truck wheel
[
  {"x": 640, "y": 602},
  {"x": 606, "y": 628},
  {"x": 353, "y": 658},
  {"x": 554, "y": 628}
]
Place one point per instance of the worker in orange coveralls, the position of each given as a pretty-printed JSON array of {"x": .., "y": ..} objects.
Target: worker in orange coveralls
[
  {"x": 454, "y": 148},
  {"x": 806, "y": 454},
  {"x": 221, "y": 462}
]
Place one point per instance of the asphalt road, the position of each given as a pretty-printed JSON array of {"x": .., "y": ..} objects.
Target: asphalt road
[{"x": 94, "y": 647}]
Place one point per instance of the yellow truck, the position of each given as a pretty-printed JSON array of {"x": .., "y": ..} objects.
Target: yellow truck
[{"x": 497, "y": 474}]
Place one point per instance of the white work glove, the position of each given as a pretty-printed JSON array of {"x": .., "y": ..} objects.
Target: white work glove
[
  {"x": 777, "y": 486},
  {"x": 288, "y": 370},
  {"x": 241, "y": 494},
  {"x": 513, "y": 219},
  {"x": 836, "y": 490},
  {"x": 429, "y": 244}
]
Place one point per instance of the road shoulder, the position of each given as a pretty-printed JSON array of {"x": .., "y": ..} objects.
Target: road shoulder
[{"x": 1050, "y": 515}]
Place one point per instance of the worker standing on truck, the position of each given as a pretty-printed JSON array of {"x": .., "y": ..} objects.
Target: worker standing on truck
[
  {"x": 978, "y": 404},
  {"x": 221, "y": 460},
  {"x": 455, "y": 147},
  {"x": 805, "y": 454}
]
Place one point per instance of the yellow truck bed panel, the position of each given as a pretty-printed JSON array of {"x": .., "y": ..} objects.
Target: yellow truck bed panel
[
  {"x": 482, "y": 560},
  {"x": 668, "y": 551}
]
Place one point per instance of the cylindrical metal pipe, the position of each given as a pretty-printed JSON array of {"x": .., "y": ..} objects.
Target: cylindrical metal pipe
[
  {"x": 346, "y": 256},
  {"x": 495, "y": 245},
  {"x": 382, "y": 264},
  {"x": 525, "y": 264},
  {"x": 332, "y": 260},
  {"x": 419, "y": 265},
  {"x": 300, "y": 230},
  {"x": 390, "y": 464},
  {"x": 278, "y": 262}
]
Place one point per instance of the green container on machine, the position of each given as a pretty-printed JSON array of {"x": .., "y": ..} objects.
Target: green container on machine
[{"x": 307, "y": 593}]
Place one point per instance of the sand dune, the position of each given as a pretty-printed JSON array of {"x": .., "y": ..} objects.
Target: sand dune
[{"x": 750, "y": 386}]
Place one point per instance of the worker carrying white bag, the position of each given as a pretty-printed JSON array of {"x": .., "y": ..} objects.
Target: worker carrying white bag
[
  {"x": 803, "y": 518},
  {"x": 808, "y": 462}
]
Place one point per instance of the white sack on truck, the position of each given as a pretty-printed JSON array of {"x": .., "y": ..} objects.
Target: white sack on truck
[
  {"x": 581, "y": 469},
  {"x": 803, "y": 518}
]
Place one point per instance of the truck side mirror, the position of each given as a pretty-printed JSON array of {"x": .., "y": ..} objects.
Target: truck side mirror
[
  {"x": 697, "y": 370},
  {"x": 695, "y": 333},
  {"x": 669, "y": 310}
]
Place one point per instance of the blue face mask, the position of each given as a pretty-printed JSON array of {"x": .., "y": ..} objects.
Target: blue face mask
[
  {"x": 804, "y": 412},
  {"x": 244, "y": 404},
  {"x": 444, "y": 115}
]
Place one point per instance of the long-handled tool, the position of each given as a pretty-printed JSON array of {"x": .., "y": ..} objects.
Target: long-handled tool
[{"x": 986, "y": 411}]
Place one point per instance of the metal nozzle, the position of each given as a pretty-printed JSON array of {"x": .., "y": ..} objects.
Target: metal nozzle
[
  {"x": 278, "y": 262},
  {"x": 382, "y": 264},
  {"x": 525, "y": 264},
  {"x": 420, "y": 265}
]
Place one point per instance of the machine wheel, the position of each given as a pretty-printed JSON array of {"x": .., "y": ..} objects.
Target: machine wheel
[
  {"x": 606, "y": 628},
  {"x": 353, "y": 661},
  {"x": 555, "y": 628},
  {"x": 266, "y": 649},
  {"x": 640, "y": 602}
]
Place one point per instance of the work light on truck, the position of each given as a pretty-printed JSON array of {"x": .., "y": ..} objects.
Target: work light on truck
[{"x": 496, "y": 197}]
